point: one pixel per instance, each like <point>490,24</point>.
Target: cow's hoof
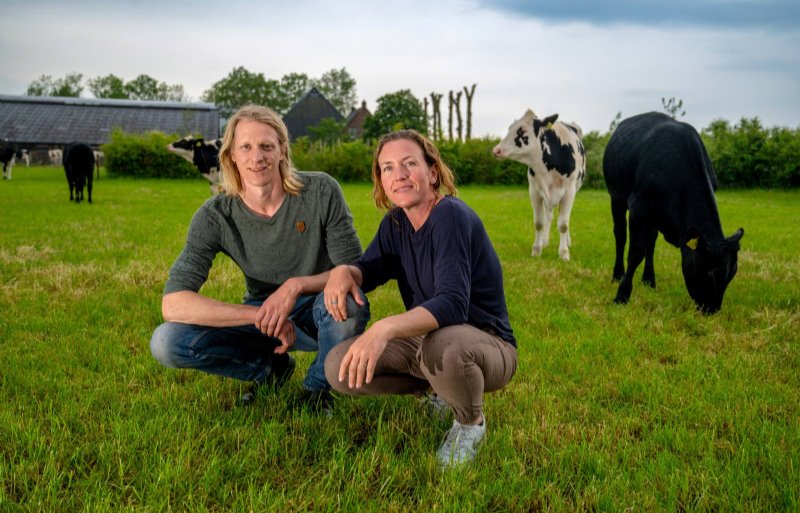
<point>536,252</point>
<point>564,256</point>
<point>620,300</point>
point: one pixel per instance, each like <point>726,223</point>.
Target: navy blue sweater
<point>449,267</point>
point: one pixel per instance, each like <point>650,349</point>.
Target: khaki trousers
<point>458,362</point>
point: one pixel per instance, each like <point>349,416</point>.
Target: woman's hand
<point>358,365</point>
<point>340,284</point>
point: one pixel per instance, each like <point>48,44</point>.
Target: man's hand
<point>358,365</point>
<point>274,312</point>
<point>287,337</point>
<point>340,285</point>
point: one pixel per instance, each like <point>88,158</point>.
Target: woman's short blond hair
<point>432,158</point>
<point>231,180</point>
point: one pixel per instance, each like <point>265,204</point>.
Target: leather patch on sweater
<point>301,226</point>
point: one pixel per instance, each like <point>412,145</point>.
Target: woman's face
<point>256,152</point>
<point>406,178</point>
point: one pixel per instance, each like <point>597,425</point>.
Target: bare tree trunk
<point>425,106</point>
<point>436,100</point>
<point>450,116</point>
<point>458,116</point>
<point>469,93</point>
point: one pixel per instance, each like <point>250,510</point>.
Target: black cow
<point>78,162</point>
<point>658,169</point>
<point>7,155</point>
<point>203,154</point>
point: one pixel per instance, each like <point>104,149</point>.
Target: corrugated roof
<point>30,120</point>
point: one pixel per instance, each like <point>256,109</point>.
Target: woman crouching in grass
<point>455,337</point>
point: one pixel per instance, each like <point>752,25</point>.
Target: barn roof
<point>308,111</point>
<point>30,120</point>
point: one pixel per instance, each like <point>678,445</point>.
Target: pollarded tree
<point>394,112</point>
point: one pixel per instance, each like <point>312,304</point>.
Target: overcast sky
<point>583,59</point>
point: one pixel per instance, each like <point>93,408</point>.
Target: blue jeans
<point>243,352</point>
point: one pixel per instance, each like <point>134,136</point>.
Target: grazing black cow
<point>204,155</point>
<point>7,155</point>
<point>658,169</point>
<point>79,167</point>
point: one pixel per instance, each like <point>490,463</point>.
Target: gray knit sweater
<point>309,234</point>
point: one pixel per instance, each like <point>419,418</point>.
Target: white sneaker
<point>461,444</point>
<point>436,406</point>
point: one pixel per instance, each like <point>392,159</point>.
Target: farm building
<point>354,125</point>
<point>309,110</point>
<point>38,123</point>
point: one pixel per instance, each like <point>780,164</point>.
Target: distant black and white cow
<point>556,162</point>
<point>204,155</point>
<point>79,167</point>
<point>24,156</point>
<point>7,156</point>
<point>657,169</point>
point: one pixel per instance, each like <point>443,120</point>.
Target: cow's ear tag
<point>692,243</point>
<point>198,144</point>
<point>549,126</point>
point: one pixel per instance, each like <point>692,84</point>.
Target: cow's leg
<point>564,211</point>
<point>619,210</point>
<point>649,272</point>
<point>636,250</point>
<point>540,223</point>
<point>89,187</point>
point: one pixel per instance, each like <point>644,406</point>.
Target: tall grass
<point>646,407</point>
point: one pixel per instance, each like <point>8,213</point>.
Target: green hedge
<point>743,155</point>
<point>145,156</point>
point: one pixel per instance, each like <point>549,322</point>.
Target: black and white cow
<point>7,156</point>
<point>8,153</point>
<point>204,155</point>
<point>556,162</point>
<point>79,167</point>
<point>24,156</point>
<point>658,170</point>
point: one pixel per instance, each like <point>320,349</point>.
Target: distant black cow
<point>203,154</point>
<point>658,169</point>
<point>7,155</point>
<point>79,167</point>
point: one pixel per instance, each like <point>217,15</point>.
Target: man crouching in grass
<point>286,230</point>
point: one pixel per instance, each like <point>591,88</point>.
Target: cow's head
<point>523,140</point>
<point>709,268</point>
<point>185,147</point>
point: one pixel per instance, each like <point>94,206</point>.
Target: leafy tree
<point>339,88</point>
<point>109,86</point>
<point>241,87</point>
<point>615,122</point>
<point>394,112</point>
<point>293,87</point>
<point>69,86</point>
<point>328,131</point>
<point>672,107</point>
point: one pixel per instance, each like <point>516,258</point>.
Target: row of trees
<point>143,87</point>
<point>238,88</point>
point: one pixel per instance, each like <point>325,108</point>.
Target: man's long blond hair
<point>231,180</point>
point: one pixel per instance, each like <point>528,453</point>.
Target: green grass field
<point>646,407</point>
